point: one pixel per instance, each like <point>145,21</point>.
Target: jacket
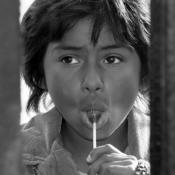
<point>44,153</point>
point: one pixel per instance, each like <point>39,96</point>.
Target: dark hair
<point>49,20</point>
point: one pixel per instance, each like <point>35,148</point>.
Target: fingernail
<point>89,158</point>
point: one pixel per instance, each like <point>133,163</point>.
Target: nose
<point>92,81</point>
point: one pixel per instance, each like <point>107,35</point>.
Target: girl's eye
<point>112,60</point>
<point>69,60</point>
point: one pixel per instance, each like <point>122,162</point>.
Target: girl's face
<point>80,75</point>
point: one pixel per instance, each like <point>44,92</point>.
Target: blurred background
<point>24,5</point>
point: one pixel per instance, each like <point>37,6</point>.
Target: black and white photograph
<point>87,87</point>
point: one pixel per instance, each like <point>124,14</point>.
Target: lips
<point>94,111</point>
<point>96,103</point>
<point>94,116</point>
<point>101,119</point>
<point>101,107</point>
<point>98,106</point>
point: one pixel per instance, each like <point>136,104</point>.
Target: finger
<point>116,169</point>
<point>105,149</point>
<point>94,167</point>
<point>126,162</point>
<point>112,159</point>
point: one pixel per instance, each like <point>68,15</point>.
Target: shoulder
<point>40,132</point>
<point>42,148</point>
<point>32,137</point>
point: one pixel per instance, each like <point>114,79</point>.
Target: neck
<point>72,141</point>
<point>80,147</point>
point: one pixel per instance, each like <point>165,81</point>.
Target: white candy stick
<point>94,132</point>
<point>94,135</point>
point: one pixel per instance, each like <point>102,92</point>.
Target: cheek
<point>125,90</point>
<point>128,92</point>
<point>63,91</point>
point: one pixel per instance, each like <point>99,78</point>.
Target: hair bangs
<point>121,22</point>
<point>120,16</point>
<point>64,17</point>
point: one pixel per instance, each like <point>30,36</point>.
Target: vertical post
<point>9,88</point>
<point>162,72</point>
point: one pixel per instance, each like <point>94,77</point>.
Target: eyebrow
<point>116,46</point>
<point>108,47</point>
<point>67,47</point>
<point>78,48</point>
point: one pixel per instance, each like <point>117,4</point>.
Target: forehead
<point>80,35</point>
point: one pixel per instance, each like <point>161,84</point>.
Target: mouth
<point>94,115</point>
<point>100,118</point>
<point>99,109</point>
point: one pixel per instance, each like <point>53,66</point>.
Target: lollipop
<point>93,120</point>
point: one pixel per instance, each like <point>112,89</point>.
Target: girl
<point>90,56</point>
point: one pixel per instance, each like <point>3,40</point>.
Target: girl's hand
<point>108,160</point>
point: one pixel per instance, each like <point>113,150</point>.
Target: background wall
<point>9,88</point>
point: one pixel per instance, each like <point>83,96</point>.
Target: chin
<point>103,137</point>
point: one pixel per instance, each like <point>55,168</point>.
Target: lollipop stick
<point>94,131</point>
<point>94,135</point>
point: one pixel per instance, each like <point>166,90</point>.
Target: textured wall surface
<point>162,67</point>
<point>9,88</point>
